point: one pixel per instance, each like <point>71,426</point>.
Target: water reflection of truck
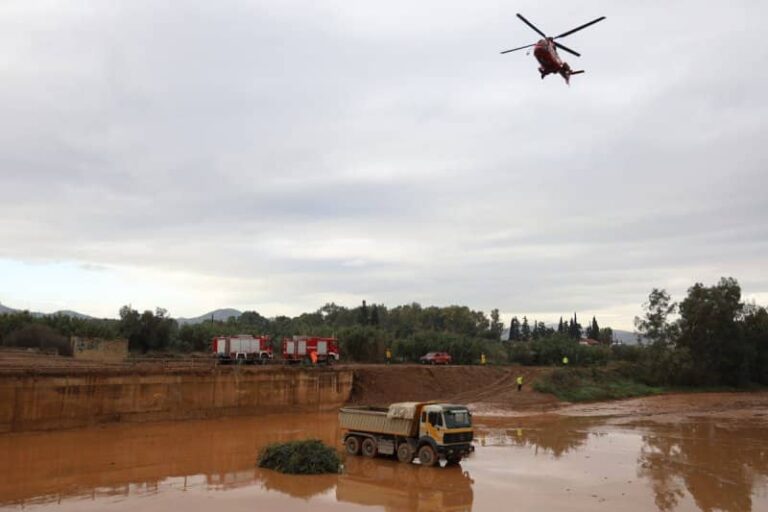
<point>396,487</point>
<point>430,431</point>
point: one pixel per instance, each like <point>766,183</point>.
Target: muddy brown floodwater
<point>586,461</point>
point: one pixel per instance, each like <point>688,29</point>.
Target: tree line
<point>711,337</point>
<point>523,331</point>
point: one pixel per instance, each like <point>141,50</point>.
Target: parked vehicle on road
<point>429,431</point>
<point>300,349</point>
<point>242,348</point>
<point>436,358</point>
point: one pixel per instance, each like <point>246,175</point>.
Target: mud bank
<point>40,392</point>
<point>45,402</point>
<point>483,388</point>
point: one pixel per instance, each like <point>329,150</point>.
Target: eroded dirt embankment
<point>64,399</point>
<point>48,392</point>
<point>483,388</point>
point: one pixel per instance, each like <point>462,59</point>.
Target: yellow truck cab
<point>431,431</point>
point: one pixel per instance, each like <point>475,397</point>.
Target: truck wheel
<point>369,447</point>
<point>453,460</point>
<point>404,453</point>
<point>427,456</point>
<point>353,445</point>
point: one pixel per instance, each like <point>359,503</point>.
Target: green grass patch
<point>716,389</point>
<point>591,384</point>
<point>309,457</point>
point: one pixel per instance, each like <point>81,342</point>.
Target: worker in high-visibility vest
<point>482,359</point>
<point>519,382</point>
<point>565,360</point>
<point>389,356</point>
<point>313,357</point>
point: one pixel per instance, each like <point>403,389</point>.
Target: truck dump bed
<point>398,419</point>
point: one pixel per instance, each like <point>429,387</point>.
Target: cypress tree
<point>514,329</point>
<point>525,330</point>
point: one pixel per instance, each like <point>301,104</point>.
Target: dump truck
<point>427,430</point>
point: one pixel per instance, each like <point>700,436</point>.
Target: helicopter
<point>545,51</point>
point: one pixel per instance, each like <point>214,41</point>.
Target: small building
<point>99,349</point>
<point>589,342</point>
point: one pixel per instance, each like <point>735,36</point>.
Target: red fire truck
<point>300,348</point>
<point>242,348</point>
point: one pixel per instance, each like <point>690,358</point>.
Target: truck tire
<point>405,453</point>
<point>453,460</point>
<point>353,445</point>
<point>369,447</point>
<point>427,456</point>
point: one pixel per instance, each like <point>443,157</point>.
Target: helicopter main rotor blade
<point>565,48</point>
<point>542,34</point>
<point>521,48</point>
<point>601,18</point>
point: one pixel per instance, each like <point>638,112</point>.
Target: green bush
<point>551,350</point>
<point>309,457</point>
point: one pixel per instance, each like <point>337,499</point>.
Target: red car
<point>435,358</point>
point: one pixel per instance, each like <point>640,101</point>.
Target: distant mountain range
<point>219,315</point>
<point>63,312</point>
<point>625,337</point>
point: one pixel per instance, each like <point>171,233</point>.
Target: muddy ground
<point>676,452</point>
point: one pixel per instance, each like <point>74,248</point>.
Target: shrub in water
<point>310,457</point>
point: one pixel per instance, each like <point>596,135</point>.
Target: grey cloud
<point>140,134</point>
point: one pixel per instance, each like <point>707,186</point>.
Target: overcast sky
<point>278,155</point>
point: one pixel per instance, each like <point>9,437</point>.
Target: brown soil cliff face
<point>44,402</point>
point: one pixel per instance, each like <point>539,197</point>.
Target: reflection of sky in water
<point>525,463</point>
